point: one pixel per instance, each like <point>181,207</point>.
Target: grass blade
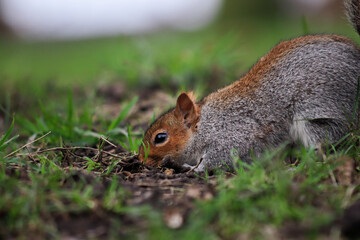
<point>131,143</point>
<point>123,113</point>
<point>8,141</point>
<point>5,137</point>
<point>70,114</point>
<point>304,25</point>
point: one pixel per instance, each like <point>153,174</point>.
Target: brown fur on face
<point>179,124</point>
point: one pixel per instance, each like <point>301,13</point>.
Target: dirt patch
<point>173,195</point>
<point>158,187</point>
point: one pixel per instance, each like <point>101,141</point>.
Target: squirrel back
<point>303,90</point>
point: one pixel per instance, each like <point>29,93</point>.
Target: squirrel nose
<point>148,161</point>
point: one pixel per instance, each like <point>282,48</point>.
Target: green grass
<point>203,60</point>
<point>51,87</point>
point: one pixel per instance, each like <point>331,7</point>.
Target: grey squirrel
<point>303,90</point>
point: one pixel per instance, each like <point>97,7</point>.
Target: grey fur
<point>308,96</point>
<point>352,12</point>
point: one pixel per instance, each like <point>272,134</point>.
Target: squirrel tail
<point>353,13</point>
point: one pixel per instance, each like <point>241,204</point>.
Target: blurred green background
<point>202,60</point>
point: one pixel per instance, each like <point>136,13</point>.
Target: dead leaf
<point>169,171</point>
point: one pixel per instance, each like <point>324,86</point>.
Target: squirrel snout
<point>148,161</point>
<point>166,162</point>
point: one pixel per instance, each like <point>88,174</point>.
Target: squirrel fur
<point>303,90</point>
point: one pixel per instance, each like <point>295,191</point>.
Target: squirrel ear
<point>186,109</point>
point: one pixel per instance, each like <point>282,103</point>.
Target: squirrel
<point>304,90</point>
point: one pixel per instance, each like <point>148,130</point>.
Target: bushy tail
<point>353,13</point>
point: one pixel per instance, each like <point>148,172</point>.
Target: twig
<point>98,154</point>
<point>195,166</point>
<point>349,192</point>
<point>325,159</point>
<point>166,187</point>
<point>12,153</point>
<point>76,148</point>
<point>107,141</point>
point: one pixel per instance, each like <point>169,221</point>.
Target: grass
<point>52,87</point>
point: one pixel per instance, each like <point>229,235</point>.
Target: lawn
<point>72,115</point>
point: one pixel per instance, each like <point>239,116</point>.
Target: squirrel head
<point>168,136</point>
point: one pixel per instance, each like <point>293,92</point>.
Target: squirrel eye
<point>160,138</point>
